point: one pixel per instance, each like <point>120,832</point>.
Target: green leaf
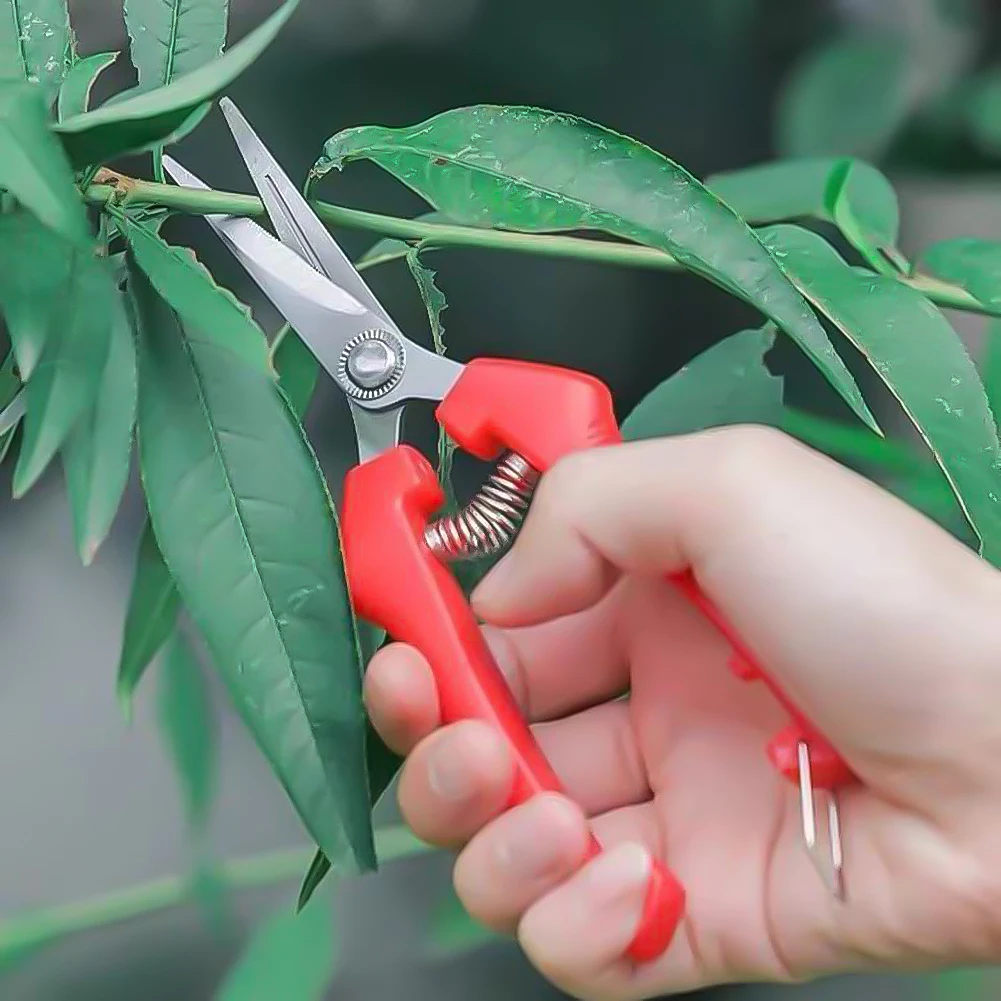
<point>848,98</point>
<point>184,713</point>
<point>526,169</point>
<point>74,94</point>
<point>971,263</point>
<point>392,843</point>
<point>10,386</point>
<point>727,384</point>
<point>454,932</point>
<point>390,249</point>
<point>990,368</point>
<point>97,453</point>
<point>170,38</point>
<point>837,198</point>
<point>33,168</point>
<point>432,297</point>
<point>151,617</point>
<point>297,368</point>
<point>315,875</point>
<point>790,190</point>
<point>913,349</point>
<point>435,304</point>
<point>192,293</point>
<point>36,43</point>
<point>244,521</point>
<point>857,445</point>
<point>291,956</point>
<point>35,265</point>
<point>141,120</point>
<point>63,386</point>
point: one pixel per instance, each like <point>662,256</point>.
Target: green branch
<point>432,234</point>
<point>38,928</point>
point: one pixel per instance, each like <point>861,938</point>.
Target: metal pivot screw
<point>371,364</point>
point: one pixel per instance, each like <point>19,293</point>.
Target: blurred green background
<point>90,805</point>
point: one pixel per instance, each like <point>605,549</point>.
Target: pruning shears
<point>521,415</point>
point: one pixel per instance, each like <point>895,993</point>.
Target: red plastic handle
<point>542,413</point>
<point>827,768</point>
<point>397,583</point>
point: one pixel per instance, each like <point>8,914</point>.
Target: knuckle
<point>746,452</point>
<point>566,478</point>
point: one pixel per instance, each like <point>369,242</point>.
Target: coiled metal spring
<point>490,520</point>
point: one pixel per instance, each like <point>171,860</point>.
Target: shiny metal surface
<point>295,222</point>
<point>322,312</point>
<point>831,869</point>
<point>371,365</point>
<point>489,522</point>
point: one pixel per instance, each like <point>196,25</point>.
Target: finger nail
<point>615,884</point>
<point>542,840</point>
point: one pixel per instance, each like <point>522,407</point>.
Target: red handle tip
<point>662,911</point>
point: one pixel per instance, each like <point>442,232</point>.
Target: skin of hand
<point>881,627</point>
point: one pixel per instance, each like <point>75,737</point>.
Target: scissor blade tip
<point>233,114</point>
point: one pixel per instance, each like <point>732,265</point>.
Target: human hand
<point>878,625</point>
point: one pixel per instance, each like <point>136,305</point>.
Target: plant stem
<point>432,234</point>
<point>29,931</point>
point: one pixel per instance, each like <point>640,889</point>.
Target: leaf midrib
<point>454,161</point>
<point>235,503</point>
<point>15,7</point>
<point>830,309</point>
<point>605,213</point>
<point>175,18</point>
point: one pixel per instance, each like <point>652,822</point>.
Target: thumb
<point>823,573</point>
<point>633,508</point>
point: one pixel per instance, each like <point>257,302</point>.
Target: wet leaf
<point>923,362</point>
<point>33,168</point>
<point>971,263</point>
<point>36,43</point>
<point>98,451</point>
<point>170,38</point>
<point>151,617</point>
<point>74,94</point>
<point>290,956</point>
<point>189,288</point>
<point>790,190</point>
<point>848,98</point>
<point>245,523</point>
<point>526,169</point>
<point>727,384</point>
<point>140,120</point>
<point>184,714</point>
